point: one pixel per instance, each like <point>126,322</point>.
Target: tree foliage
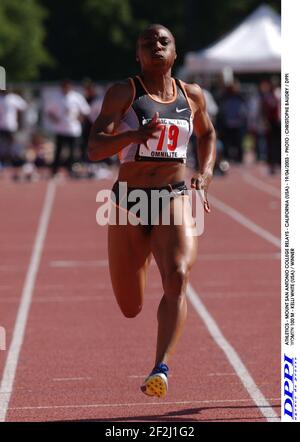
<point>89,38</point>
<point>97,38</point>
<point>21,39</point>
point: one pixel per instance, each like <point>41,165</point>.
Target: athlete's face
<point>156,49</point>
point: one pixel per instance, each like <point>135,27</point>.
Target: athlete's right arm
<point>104,141</point>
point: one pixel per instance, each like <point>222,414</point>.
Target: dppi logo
<point>289,387</point>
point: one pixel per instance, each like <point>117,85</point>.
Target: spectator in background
<point>66,111</point>
<point>212,110</point>
<point>270,98</point>
<point>211,106</point>
<point>257,124</point>
<point>39,156</point>
<point>33,118</point>
<point>95,102</point>
<point>232,119</point>
<point>12,106</point>
<point>221,166</point>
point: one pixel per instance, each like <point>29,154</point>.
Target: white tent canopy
<point>254,46</point>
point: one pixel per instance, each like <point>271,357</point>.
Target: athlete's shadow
<point>174,416</point>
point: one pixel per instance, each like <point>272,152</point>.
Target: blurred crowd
<point>47,133</point>
<point>247,123</point>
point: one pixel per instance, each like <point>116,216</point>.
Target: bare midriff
<point>151,174</point>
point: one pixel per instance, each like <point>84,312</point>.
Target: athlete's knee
<point>175,280</point>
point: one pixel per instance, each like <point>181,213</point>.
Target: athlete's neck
<point>160,85</point>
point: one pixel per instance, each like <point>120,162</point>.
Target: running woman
<point>148,120</point>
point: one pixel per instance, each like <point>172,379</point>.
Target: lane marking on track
<point>261,185</point>
<point>203,256</point>
<point>221,374</point>
<point>241,294</point>
<point>232,356</point>
<point>100,263</point>
<point>137,376</point>
<point>71,379</point>
<point>79,287</point>
<point>26,296</point>
<point>228,283</point>
<point>12,268</point>
<point>138,404</point>
<point>71,298</point>
<point>237,256</point>
<point>245,221</point>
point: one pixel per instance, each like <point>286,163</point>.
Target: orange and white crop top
<point>175,116</point>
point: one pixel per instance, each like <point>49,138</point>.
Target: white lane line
<point>228,282</point>
<point>244,221</point>
<point>70,298</point>
<point>232,356</point>
<point>12,268</point>
<point>61,299</point>
<point>66,263</point>
<point>137,376</point>
<point>237,256</point>
<point>71,379</point>
<point>261,185</point>
<point>27,292</point>
<point>231,294</point>
<point>221,374</point>
<point>206,257</point>
<point>143,376</point>
<point>64,288</point>
<point>138,404</point>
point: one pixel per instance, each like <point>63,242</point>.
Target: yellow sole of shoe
<point>155,386</point>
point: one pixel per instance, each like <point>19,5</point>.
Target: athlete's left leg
<point>175,251</point>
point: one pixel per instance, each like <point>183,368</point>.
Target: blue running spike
<point>156,384</point>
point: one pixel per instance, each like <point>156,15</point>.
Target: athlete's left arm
<point>206,141</point>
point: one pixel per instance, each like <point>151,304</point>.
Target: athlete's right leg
<point>129,257</point>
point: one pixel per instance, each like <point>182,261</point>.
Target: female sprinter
<point>148,120</point>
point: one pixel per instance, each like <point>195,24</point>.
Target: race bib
<point>172,140</point>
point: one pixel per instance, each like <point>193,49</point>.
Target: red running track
<point>80,360</point>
